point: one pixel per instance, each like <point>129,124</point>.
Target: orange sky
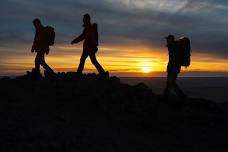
<point>119,60</point>
<point>131,34</point>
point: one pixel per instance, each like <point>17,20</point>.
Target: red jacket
<point>90,37</point>
<point>40,44</point>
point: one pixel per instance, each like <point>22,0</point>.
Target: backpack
<point>95,32</point>
<point>185,48</point>
<point>50,35</point>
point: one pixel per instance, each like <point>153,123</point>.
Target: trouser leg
<point>41,61</point>
<point>44,64</point>
<point>168,85</point>
<point>96,63</point>
<point>46,67</point>
<point>82,63</point>
<point>178,91</point>
<point>37,61</point>
<point>176,88</point>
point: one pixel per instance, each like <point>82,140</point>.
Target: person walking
<point>90,46</point>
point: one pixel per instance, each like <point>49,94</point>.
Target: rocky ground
<point>70,114</point>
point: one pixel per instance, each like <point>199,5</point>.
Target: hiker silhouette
<point>173,67</point>
<point>90,46</point>
<point>40,46</point>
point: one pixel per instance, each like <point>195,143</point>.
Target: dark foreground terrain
<point>87,114</point>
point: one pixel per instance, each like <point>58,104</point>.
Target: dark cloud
<point>121,22</point>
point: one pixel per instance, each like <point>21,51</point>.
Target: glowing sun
<point>146,67</point>
<point>146,70</point>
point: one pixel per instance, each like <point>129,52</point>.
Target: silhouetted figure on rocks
<point>90,46</point>
<point>41,46</point>
<point>174,67</point>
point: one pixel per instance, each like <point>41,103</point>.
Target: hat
<point>36,20</point>
<point>170,37</point>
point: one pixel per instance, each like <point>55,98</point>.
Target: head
<point>86,19</point>
<point>170,39</point>
<point>36,23</point>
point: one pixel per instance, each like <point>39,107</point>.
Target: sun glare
<point>146,70</point>
<point>146,67</point>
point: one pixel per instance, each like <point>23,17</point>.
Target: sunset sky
<point>131,34</point>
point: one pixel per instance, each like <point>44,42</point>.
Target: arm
<point>79,38</point>
<point>35,41</point>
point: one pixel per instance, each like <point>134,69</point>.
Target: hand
<point>72,42</point>
<point>32,50</point>
<point>47,51</point>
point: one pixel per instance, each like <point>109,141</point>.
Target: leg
<point>82,62</point>
<point>44,64</point>
<point>37,61</point>
<point>177,89</point>
<point>96,64</point>
<point>169,85</point>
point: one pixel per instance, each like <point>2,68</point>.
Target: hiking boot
<point>35,74</point>
<point>104,75</point>
<point>50,74</point>
<point>78,74</point>
<point>183,96</point>
<point>163,97</point>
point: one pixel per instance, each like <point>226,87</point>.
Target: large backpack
<point>185,48</point>
<point>95,32</point>
<point>50,35</point>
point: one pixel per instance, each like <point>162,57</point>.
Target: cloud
<point>121,21</point>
